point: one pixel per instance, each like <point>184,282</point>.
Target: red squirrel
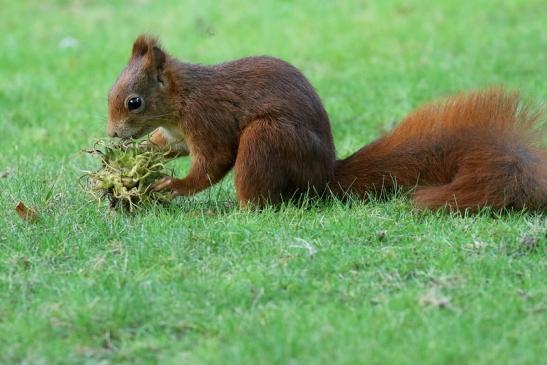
<point>261,116</point>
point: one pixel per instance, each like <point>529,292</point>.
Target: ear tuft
<point>143,45</point>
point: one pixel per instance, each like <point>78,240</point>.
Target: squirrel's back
<point>262,86</point>
<point>239,92</point>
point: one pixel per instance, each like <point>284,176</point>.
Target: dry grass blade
<point>26,213</point>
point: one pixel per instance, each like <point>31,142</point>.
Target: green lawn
<point>206,282</point>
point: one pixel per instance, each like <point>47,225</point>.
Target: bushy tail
<point>480,149</point>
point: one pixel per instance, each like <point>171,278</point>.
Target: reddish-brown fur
<point>261,116</point>
<point>467,152</point>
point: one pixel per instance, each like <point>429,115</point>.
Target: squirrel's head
<point>139,99</point>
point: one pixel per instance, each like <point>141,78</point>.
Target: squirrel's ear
<point>154,57</point>
<point>141,46</point>
<point>147,46</point>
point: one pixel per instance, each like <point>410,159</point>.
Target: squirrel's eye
<point>134,103</point>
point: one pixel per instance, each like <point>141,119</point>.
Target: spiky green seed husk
<point>127,173</point>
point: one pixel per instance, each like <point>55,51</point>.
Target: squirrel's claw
<point>171,184</point>
<point>165,183</point>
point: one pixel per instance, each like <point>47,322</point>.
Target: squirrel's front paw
<point>170,184</point>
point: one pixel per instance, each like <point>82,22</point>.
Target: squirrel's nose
<point>111,132</point>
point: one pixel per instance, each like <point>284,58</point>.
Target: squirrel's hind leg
<point>279,161</point>
<point>260,172</point>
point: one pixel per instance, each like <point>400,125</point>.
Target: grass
<point>206,282</point>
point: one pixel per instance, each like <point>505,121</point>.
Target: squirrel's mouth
<point>140,132</point>
<point>134,135</point>
<point>134,132</point>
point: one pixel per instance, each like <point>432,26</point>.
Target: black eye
<point>134,103</point>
